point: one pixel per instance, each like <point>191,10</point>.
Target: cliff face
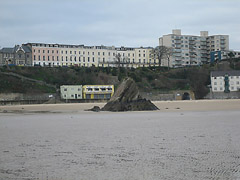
<point>127,98</point>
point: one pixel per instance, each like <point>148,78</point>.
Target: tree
<point>121,60</point>
<point>168,53</point>
<point>161,52</point>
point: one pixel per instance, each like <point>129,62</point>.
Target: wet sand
<point>189,140</point>
<point>166,106</point>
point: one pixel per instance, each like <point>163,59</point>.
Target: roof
<point>25,48</point>
<point>7,50</point>
<point>223,73</point>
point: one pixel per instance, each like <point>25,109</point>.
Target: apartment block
<point>188,50</point>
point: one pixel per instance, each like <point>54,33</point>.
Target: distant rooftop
<point>223,73</point>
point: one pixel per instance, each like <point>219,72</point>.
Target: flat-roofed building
<point>188,50</point>
<point>98,91</point>
<point>71,91</point>
<point>225,81</point>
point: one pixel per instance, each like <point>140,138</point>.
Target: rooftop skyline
<point>130,23</point>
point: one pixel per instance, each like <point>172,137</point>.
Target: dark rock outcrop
<point>95,109</point>
<point>127,98</point>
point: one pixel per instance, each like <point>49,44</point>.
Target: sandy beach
<point>166,106</point>
<point>183,140</point>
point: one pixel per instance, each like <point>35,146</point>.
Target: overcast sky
<point>130,23</point>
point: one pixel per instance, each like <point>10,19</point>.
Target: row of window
<point>72,89</point>
<point>232,83</point>
<point>221,88</point>
<point>93,53</point>
<point>86,59</point>
<point>231,77</point>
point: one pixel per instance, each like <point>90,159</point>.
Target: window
<point>53,58</point>
<point>48,58</point>
<point>75,58</point>
<point>92,53</point>
<point>65,89</point>
<point>70,52</point>
<point>103,53</point>
<point>88,59</point>
<point>79,59</point>
<point>79,52</point>
<point>215,88</point>
<point>52,51</point>
<point>48,51</point>
<point>39,58</point>
<point>83,59</point>
<point>57,58</point>
<point>93,59</point>
<point>70,58</point>
<point>99,53</point>
<point>215,83</point>
<point>34,57</point>
<point>43,51</point>
<point>62,58</point>
<point>66,58</point>
<point>38,51</point>
<point>66,52</point>
<point>75,52</point>
<point>44,58</point>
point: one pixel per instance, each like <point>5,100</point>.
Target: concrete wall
<point>222,95</point>
<point>168,96</point>
<point>19,98</point>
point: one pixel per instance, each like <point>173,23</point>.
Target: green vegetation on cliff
<point>152,79</point>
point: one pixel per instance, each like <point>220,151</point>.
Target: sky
<point>130,23</point>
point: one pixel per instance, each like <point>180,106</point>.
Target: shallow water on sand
<point>120,146</point>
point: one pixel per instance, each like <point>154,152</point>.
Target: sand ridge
<point>166,106</point>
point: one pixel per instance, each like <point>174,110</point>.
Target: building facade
<point>225,81</point>
<point>98,91</point>
<point>71,92</point>
<point>18,55</point>
<point>190,50</point>
<point>223,54</point>
<point>87,56</point>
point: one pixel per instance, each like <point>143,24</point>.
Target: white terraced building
<point>87,56</point>
<point>220,78</point>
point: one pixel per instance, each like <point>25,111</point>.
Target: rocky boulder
<point>127,98</point>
